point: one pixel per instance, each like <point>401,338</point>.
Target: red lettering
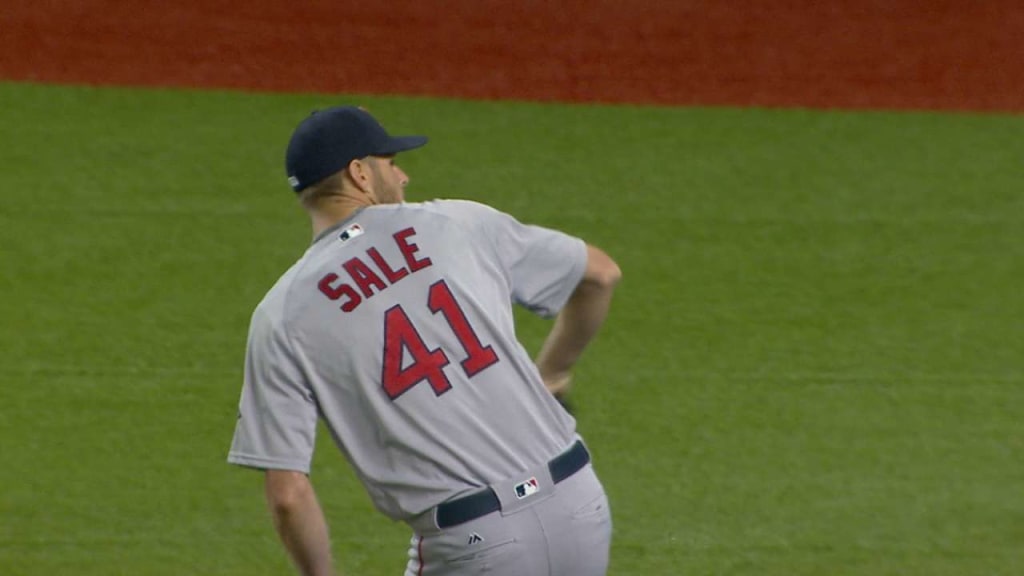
<point>392,275</point>
<point>407,359</point>
<point>365,278</point>
<point>409,250</point>
<point>478,356</point>
<point>353,299</point>
<point>335,292</point>
<point>396,375</point>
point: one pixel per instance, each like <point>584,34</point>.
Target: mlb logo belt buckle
<point>528,488</point>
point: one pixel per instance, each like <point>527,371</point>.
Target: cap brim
<point>402,143</point>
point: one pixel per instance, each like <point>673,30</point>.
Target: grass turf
<point>813,365</point>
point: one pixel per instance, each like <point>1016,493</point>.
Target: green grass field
<point>814,365</point>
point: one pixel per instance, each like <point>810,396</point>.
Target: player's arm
<point>579,321</point>
<point>299,521</point>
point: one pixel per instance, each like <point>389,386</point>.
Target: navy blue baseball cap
<point>327,140</point>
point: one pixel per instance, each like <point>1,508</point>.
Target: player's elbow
<point>610,275</point>
<point>601,271</point>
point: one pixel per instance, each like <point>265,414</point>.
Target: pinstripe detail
<point>419,554</point>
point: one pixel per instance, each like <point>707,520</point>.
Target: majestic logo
<point>474,538</point>
<point>350,232</point>
<point>527,488</point>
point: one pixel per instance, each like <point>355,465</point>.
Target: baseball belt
<point>481,503</point>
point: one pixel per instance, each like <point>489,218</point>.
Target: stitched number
<point>400,336</point>
<point>478,356</point>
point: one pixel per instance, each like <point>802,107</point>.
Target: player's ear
<point>359,172</point>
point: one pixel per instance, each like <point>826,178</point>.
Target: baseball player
<point>396,328</point>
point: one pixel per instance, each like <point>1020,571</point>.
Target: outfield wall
<point>942,54</point>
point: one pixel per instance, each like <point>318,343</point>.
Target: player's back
<point>400,323</point>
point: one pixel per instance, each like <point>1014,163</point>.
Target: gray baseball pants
<point>559,529</point>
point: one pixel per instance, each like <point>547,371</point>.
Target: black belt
<point>486,501</point>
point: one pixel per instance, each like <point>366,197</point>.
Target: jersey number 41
<point>400,336</point>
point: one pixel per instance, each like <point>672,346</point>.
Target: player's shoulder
<point>270,313</point>
<point>453,208</point>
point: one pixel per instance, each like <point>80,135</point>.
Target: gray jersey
<point>396,328</point>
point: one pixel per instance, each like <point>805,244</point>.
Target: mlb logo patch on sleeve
<point>527,488</point>
<point>350,232</point>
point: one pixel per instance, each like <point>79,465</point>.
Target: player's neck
<point>334,210</point>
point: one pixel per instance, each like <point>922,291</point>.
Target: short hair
<point>333,185</point>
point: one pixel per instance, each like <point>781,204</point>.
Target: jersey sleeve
<point>277,414</point>
<point>543,266</point>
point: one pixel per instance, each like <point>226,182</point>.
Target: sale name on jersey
<point>370,274</point>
